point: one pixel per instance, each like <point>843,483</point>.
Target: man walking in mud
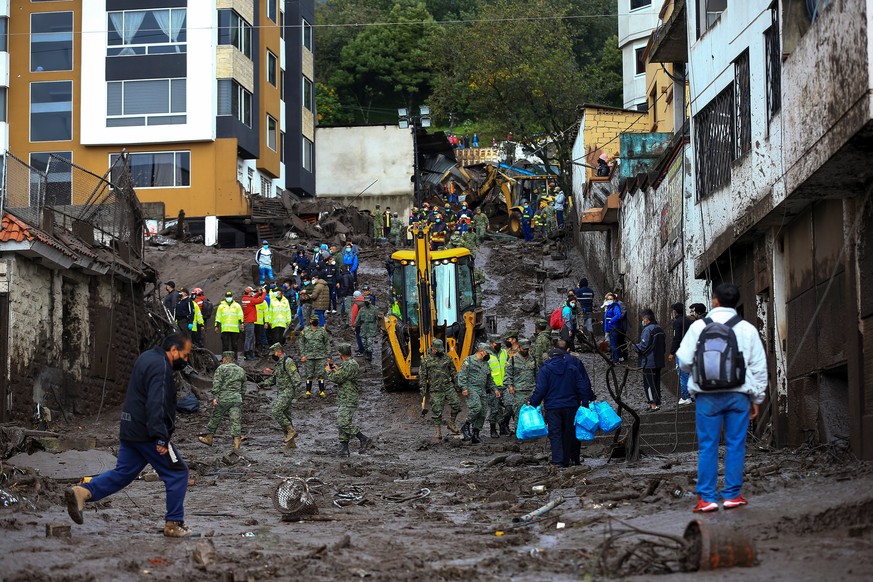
<point>366,327</point>
<point>286,379</point>
<point>314,348</point>
<point>345,377</point>
<point>476,380</point>
<point>228,385</point>
<point>439,380</point>
<point>521,375</point>
<point>148,420</point>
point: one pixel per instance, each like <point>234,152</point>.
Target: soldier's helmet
<point>438,346</point>
<point>345,349</point>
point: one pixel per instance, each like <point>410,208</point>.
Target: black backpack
<point>718,361</point>
<point>207,309</point>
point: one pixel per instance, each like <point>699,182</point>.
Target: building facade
<point>211,101</point>
<point>636,20</point>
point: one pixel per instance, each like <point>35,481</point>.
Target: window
<point>282,84</point>
<point>743,102</point>
<point>640,67</point>
<point>3,104</point>
<point>307,35</point>
<point>51,111</point>
<point>147,32</point>
<point>156,169</point>
<point>233,99</point>
<point>4,33</point>
<point>308,154</point>
<point>653,102</point>
<point>58,177</point>
<point>51,41</point>
<point>307,94</point>
<point>235,31</point>
<point>773,59</point>
<point>271,10</point>
<point>272,128</point>
<point>708,13</point>
<point>282,146</point>
<point>147,102</point>
<point>266,187</point>
<point>282,25</point>
<point>272,64</point>
<point>634,4</point>
<point>715,143</point>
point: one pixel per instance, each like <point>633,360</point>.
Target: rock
<point>515,460</point>
<point>58,530</point>
<point>204,552</point>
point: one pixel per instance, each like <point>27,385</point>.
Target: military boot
<point>176,529</point>
<point>365,442</point>
<point>494,434</point>
<point>453,428</point>
<point>236,442</point>
<point>475,437</point>
<point>344,449</point>
<point>308,388</point>
<point>290,434</point>
<point>321,388</point>
<point>438,434</point>
<point>465,431</point>
<point>504,428</point>
<point>206,439</point>
<point>75,498</point>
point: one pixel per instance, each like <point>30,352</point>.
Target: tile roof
<point>16,230</point>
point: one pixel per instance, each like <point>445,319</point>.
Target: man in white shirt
<point>731,408</point>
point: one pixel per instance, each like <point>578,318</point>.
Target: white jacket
<point>749,343</point>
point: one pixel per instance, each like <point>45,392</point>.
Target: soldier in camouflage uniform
<point>365,324</point>
<point>476,381</point>
<point>286,379</point>
<point>228,385</point>
<point>478,280</point>
<point>314,346</point>
<point>480,225</point>
<point>542,342</point>
<point>438,378</point>
<point>521,375</point>
<point>396,229</point>
<point>345,377</point>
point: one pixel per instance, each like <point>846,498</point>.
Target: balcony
<point>669,42</point>
<point>601,218</point>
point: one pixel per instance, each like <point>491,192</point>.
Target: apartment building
<point>210,101</point>
<point>636,20</point>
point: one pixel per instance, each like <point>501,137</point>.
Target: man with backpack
<point>728,366</point>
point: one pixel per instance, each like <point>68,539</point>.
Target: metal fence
<point>773,49</point>
<point>714,142</point>
<point>743,102</point>
<point>79,201</point>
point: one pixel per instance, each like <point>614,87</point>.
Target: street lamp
<point>407,121</point>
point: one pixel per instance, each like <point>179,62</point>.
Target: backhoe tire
<point>514,228</point>
<point>392,380</point>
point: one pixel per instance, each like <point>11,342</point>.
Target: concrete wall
<point>70,333</point>
<point>348,159</point>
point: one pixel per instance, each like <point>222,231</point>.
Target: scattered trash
<point>7,498</point>
<point>468,465</point>
<point>293,496</point>
<point>560,525</point>
<point>536,552</point>
<point>58,530</point>
<point>422,493</point>
<point>249,534</point>
<point>540,511</point>
<point>710,547</point>
<point>204,552</point>
<point>538,489</point>
<point>498,533</point>
<point>351,495</point>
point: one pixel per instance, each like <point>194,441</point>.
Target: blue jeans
<point>683,382</point>
<point>320,314</point>
<point>249,345</point>
<point>714,410</point>
<point>615,345</point>
<point>333,304</point>
<point>560,215</point>
<point>359,340</point>
<point>132,459</point>
<point>265,273</point>
<point>562,436</point>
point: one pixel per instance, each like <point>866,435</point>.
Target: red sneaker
<point>705,506</point>
<point>736,502</point>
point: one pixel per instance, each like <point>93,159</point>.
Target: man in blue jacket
<point>147,423</point>
<point>562,385</point>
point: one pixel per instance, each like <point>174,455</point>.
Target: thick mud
<point>426,511</point>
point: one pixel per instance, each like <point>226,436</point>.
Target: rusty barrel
<point>714,547</point>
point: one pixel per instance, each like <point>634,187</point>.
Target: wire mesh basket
<point>293,496</point>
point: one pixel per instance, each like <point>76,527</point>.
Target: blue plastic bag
<point>609,420</point>
<point>583,434</point>
<point>530,423</point>
<point>587,418</point>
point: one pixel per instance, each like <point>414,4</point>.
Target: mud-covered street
<point>413,510</point>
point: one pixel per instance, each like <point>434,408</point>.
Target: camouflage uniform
<point>315,345</point>
<point>541,346</point>
<point>345,377</point>
<point>287,380</point>
<point>228,385</point>
<point>480,225</point>
<point>437,377</point>
<point>478,280</point>
<point>521,375</point>
<point>468,241</point>
<point>366,321</point>
<point>475,376</point>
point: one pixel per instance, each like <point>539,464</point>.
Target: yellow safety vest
<point>229,316</point>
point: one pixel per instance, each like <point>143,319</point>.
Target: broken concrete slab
<point>67,465</point>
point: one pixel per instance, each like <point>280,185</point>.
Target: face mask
<point>278,295</point>
<point>643,322</point>
<point>486,357</point>
<point>229,299</point>
<point>266,246</point>
<point>180,364</point>
<point>508,343</point>
<point>275,358</point>
<point>609,301</point>
<point>573,304</point>
<point>524,352</point>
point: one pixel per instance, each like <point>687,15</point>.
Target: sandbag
<point>609,420</point>
<point>530,424</point>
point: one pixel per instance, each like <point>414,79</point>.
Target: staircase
<point>662,432</point>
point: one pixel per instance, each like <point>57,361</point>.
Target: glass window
<point>282,25</point>
<point>282,146</point>
<point>146,102</point>
<point>272,64</point>
<point>51,111</point>
<point>308,154</point>
<point>307,35</point>
<point>411,296</point>
<point>234,100</point>
<point>51,41</point>
<point>156,169</point>
<point>4,33</point>
<point>445,297</point>
<point>235,31</point>
<point>3,104</point>
<point>58,177</point>
<point>640,61</point>
<point>634,4</point>
<point>271,10</point>
<point>465,284</point>
<point>272,129</point>
<point>147,32</point>
<point>282,84</point>
<point>307,94</point>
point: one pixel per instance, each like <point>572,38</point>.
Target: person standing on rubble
<point>521,376</point>
<point>330,274</point>
<point>228,386</point>
<point>185,313</point>
<point>480,225</point>
<point>249,302</point>
<point>651,351</point>
<point>320,298</point>
<point>366,327</point>
<point>438,379</point>
<point>229,322</point>
<point>286,379</point>
<point>346,289</point>
<point>542,342</point>
<point>148,420</point>
<point>314,348</point>
<point>527,216</point>
<point>264,258</point>
<point>350,261</point>
<point>476,380</point>
<point>560,203</point>
<point>345,377</point>
<point>499,403</point>
<point>278,317</point>
<point>172,297</point>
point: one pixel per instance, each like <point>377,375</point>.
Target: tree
<point>603,80</point>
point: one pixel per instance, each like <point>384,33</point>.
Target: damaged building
<point>72,278</point>
<point>766,183</point>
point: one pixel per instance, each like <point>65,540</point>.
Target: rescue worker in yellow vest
<point>278,317</point>
<point>197,328</point>
<point>498,413</point>
<point>387,219</point>
<point>260,331</point>
<point>229,322</point>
